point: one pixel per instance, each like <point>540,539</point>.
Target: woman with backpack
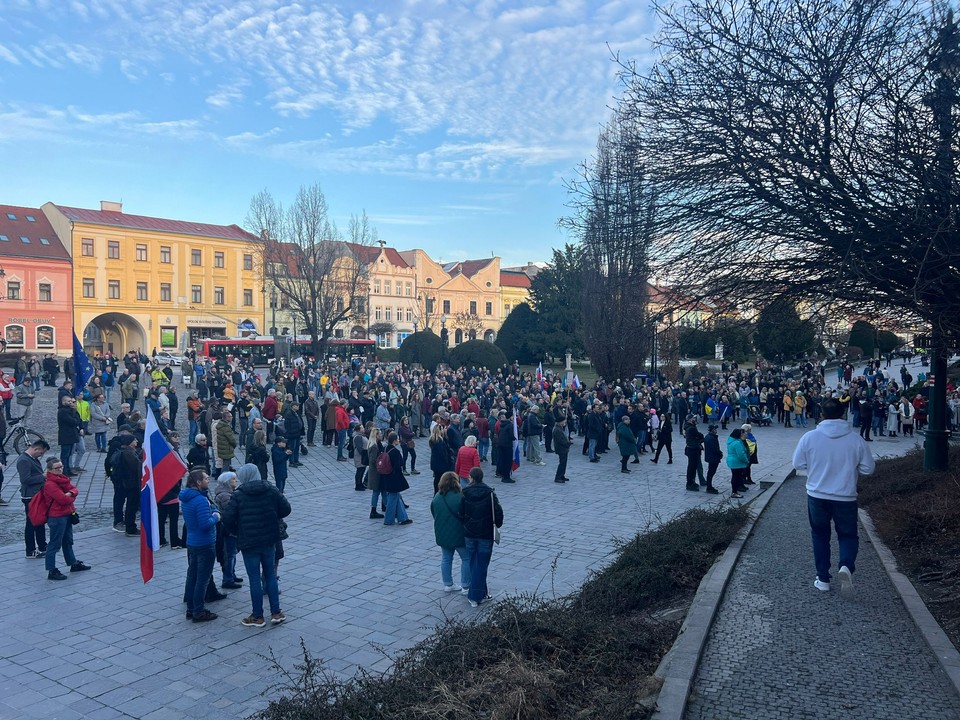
<point>392,481</point>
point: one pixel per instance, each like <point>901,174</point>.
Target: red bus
<point>260,351</point>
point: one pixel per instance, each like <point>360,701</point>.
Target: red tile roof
<point>34,231</point>
<point>369,253</point>
<point>467,267</point>
<point>514,279</point>
<point>111,218</point>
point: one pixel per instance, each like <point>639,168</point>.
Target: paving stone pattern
<point>779,648</point>
<point>104,645</point>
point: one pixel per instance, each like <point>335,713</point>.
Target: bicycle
<point>21,436</point>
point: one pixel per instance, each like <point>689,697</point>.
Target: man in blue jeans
<point>833,457</point>
<point>253,516</point>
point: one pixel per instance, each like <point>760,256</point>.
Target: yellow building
<point>392,289</point>
<point>142,283</point>
<point>514,289</point>
<point>463,296</point>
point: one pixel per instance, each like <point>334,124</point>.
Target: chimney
<point>110,206</point>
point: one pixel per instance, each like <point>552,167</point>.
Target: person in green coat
<point>627,442</point>
<point>448,530</point>
<point>738,460</point>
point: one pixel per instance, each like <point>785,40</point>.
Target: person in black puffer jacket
<point>253,516</point>
<point>479,511</point>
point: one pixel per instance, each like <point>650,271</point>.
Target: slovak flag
<point>576,382</point>
<point>516,442</point>
<point>540,376</point>
<point>162,469</point>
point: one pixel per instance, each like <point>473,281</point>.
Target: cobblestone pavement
<point>104,645</point>
<point>779,648</point>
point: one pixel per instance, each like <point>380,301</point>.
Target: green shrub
<point>477,353</point>
<point>423,347</point>
<point>388,354</point>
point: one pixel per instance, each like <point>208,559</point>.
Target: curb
<point>679,665</point>
<point>936,639</point>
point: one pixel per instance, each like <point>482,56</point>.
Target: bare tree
<point>303,255</point>
<point>614,211</point>
<point>469,323</point>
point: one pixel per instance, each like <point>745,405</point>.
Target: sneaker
<point>37,555</point>
<point>693,488</point>
<point>474,603</point>
<point>465,591</point>
<point>55,574</point>
<point>846,582</point>
<point>189,615</point>
<point>204,616</point>
<point>414,472</point>
<point>277,618</point>
<point>508,480</point>
<point>119,527</point>
<point>713,491</point>
<point>163,543</point>
<point>736,495</point>
<point>79,567</point>
<point>451,588</point>
<point>231,585</point>
<point>216,597</point>
<point>408,521</point>
<point>253,621</point>
<point>135,533</point>
<point>821,585</point>
<point>3,502</point>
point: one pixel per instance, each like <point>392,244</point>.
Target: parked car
<point>166,358</point>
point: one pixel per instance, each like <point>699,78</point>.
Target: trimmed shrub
<point>422,347</point>
<point>477,353</point>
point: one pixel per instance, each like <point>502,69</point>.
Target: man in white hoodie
<point>833,458</point>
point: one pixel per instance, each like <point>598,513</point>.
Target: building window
<point>86,247</point>
<point>361,306</point>
<point>376,313</point>
<point>165,294</point>
<point>376,287</point>
<point>284,301</point>
<point>168,336</point>
<point>45,337</point>
<point>385,341</point>
<point>340,304</point>
<point>113,249</point>
<point>446,307</point>
<point>399,289</point>
<point>399,314</point>
<point>401,337</point>
<point>248,297</point>
<point>113,289</point>
<point>386,287</point>
<point>409,289</point>
<point>338,333</point>
<point>13,334</point>
<point>218,260</point>
<point>248,262</point>
<point>141,253</point>
<point>506,308</point>
<point>409,315</point>
<point>458,337</point>
<point>489,308</point>
<point>13,290</point>
<point>88,288</point>
<point>165,254</point>
<point>196,294</point>
<point>46,294</point>
<point>388,314</point>
<point>142,293</point>
<point>196,257</point>
<point>218,296</point>
<point>429,304</point>
<point>473,307</point>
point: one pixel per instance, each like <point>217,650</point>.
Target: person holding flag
<point>82,367</point>
<point>162,469</point>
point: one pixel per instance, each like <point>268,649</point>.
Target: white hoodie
<point>833,457</point>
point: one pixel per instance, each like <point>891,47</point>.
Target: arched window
<point>46,337</point>
<point>473,334</point>
<point>489,336</point>
<point>458,337</point>
<point>13,334</point>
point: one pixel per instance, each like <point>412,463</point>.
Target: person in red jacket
<point>343,422</point>
<point>467,459</point>
<point>269,411</point>
<point>58,495</point>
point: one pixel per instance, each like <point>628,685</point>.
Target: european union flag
<point>82,367</point>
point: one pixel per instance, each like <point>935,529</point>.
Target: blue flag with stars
<point>82,367</point>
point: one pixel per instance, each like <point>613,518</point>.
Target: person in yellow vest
<point>800,408</point>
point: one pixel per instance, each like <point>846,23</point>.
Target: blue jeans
<point>61,536</point>
<point>66,452</point>
<point>844,516</point>
<point>592,448</point>
<point>483,447</point>
<point>395,510</point>
<point>193,432</point>
<point>376,496</point>
<point>200,562</point>
<point>229,567</point>
<point>480,552</point>
<point>294,445</point>
<point>341,442</point>
<point>446,566</point>
<point>101,438</point>
<point>262,559</point>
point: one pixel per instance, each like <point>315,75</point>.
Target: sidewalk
<point>780,648</point>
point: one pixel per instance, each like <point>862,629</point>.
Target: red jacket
<point>270,407</point>
<point>467,459</point>
<point>343,420</point>
<point>59,493</point>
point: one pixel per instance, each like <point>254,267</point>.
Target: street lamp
<point>443,331</point>
<point>273,312</point>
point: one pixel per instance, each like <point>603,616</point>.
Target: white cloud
<point>226,95</point>
<point>7,55</point>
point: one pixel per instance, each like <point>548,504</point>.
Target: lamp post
<point>273,313</point>
<point>443,332</point>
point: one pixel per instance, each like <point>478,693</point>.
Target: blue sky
<point>452,123</point>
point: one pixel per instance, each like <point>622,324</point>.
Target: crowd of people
<point>372,415</point>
